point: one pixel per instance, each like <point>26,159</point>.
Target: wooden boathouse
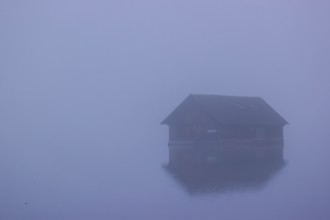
<point>216,128</point>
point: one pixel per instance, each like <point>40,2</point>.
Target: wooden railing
<point>228,142</point>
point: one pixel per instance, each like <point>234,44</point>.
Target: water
<point>83,173</point>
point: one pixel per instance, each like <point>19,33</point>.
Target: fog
<point>85,84</point>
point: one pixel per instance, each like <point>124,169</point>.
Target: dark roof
<point>234,109</point>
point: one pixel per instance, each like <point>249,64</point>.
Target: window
<point>211,131</point>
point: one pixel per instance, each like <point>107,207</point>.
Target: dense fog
<point>85,84</point>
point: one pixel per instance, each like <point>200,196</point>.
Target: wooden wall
<point>191,122</point>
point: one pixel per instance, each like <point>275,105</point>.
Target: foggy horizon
<point>85,84</point>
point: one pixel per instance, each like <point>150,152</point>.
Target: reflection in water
<point>225,178</point>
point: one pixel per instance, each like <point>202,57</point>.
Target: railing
<point>252,141</point>
<point>229,142</point>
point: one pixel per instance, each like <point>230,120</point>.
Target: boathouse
<point>215,128</point>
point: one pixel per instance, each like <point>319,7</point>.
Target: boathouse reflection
<point>225,177</point>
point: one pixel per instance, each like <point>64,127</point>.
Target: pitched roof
<point>235,109</point>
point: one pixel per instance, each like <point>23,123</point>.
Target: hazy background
<point>84,85</point>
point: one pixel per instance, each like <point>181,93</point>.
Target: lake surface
<point>83,173</point>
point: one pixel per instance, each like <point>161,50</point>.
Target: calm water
<point>74,172</point>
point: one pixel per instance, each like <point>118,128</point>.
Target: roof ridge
<point>229,96</point>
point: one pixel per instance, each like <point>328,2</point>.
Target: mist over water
<point>85,84</point>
